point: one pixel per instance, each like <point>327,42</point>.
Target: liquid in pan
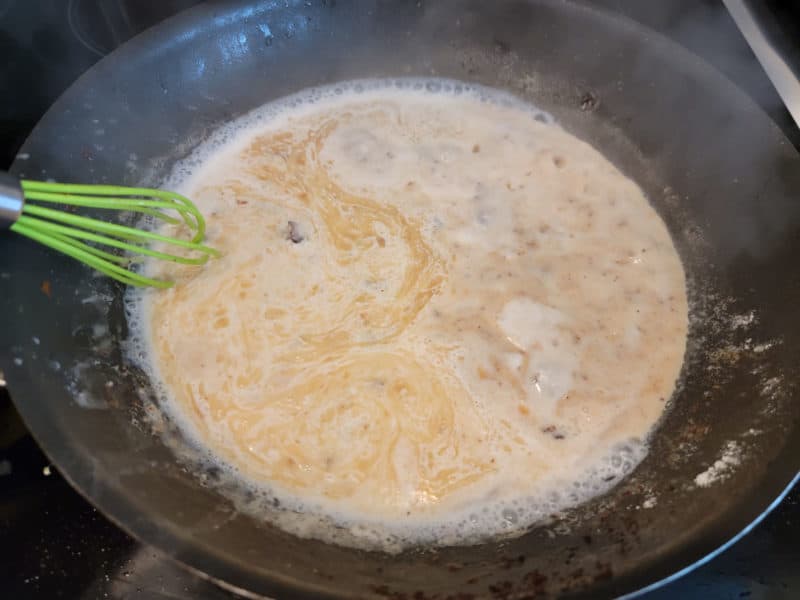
<point>437,314</point>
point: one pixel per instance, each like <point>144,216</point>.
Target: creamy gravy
<point>431,309</point>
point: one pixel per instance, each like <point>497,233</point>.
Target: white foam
<point>298,105</point>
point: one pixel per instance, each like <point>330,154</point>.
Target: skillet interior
<point>718,171</point>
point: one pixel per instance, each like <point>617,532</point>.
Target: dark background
<point>53,544</point>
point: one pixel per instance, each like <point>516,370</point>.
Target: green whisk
<point>23,210</point>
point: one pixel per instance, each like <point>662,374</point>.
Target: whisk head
<point>85,238</point>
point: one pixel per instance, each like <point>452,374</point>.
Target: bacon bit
<point>381,242</point>
<point>293,233</point>
<point>551,429</point>
<point>46,288</point>
<point>241,202</point>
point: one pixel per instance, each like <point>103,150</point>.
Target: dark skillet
<point>717,169</point>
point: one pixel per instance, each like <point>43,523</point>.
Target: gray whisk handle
<point>11,200</point>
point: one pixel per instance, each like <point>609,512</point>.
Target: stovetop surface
<point>54,544</point>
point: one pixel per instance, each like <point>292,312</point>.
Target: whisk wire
<point>119,198</point>
<point>122,231</point>
<point>135,205</point>
<point>115,258</point>
<point>70,233</point>
<point>87,255</point>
